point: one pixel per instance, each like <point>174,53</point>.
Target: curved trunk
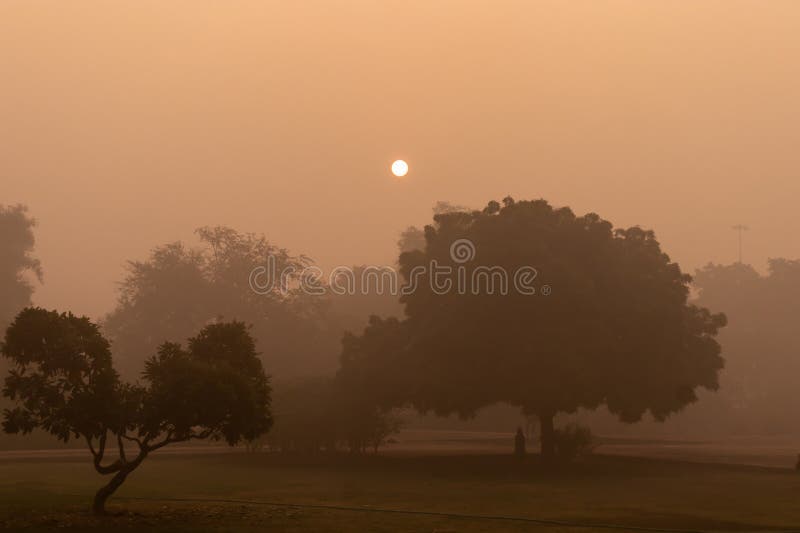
<point>102,495</point>
<point>548,449</point>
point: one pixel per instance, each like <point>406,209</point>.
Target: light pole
<point>741,228</point>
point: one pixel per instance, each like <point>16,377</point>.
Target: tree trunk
<point>548,449</point>
<point>100,497</point>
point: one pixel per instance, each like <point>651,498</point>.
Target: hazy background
<point>124,125</point>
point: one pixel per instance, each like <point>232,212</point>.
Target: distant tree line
<point>762,349</point>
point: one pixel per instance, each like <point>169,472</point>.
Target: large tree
<point>609,321</point>
<point>16,261</point>
<point>62,381</point>
<point>178,289</point>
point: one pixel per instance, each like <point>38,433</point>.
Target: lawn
<point>44,493</point>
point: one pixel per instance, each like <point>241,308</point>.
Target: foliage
<point>573,441</point>
<point>319,414</point>
<point>411,238</point>
<point>16,261</point>
<point>178,290</point>
<point>374,363</point>
<point>759,384</point>
<point>63,381</point>
<point>305,416</point>
<point>617,329</point>
<point>362,291</point>
<point>367,426</point>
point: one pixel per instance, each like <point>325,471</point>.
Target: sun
<point>399,168</point>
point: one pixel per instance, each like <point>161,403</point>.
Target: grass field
<point>47,492</point>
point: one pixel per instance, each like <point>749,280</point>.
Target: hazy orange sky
<point>124,125</point>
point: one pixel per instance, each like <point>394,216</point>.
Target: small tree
<point>573,441</point>
<point>62,381</point>
<point>365,426</point>
<point>316,414</point>
<point>305,412</point>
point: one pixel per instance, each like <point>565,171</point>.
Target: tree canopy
<point>62,381</point>
<point>178,289</point>
<point>608,321</point>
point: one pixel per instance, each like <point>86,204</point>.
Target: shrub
<point>573,441</point>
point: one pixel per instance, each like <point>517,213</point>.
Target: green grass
<point>44,493</point>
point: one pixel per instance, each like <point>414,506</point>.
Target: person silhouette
<point>519,443</point>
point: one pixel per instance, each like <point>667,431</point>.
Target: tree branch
<point>132,439</point>
<point>121,449</point>
<point>170,440</point>
<point>167,440</point>
<point>116,466</point>
<point>202,435</point>
<point>91,448</point>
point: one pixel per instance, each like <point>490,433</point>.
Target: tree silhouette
<point>322,414</point>
<point>16,246</point>
<point>411,238</point>
<point>179,289</point>
<point>17,264</point>
<point>761,345</point>
<point>63,381</point>
<point>616,330</point>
